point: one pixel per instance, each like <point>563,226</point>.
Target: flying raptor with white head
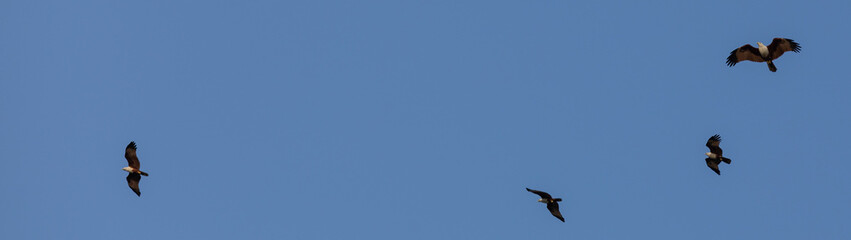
<point>134,173</point>
<point>714,156</point>
<point>552,203</point>
<point>763,53</point>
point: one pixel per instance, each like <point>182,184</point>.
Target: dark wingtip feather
<point>715,137</point>
<point>732,60</point>
<point>795,46</point>
<point>132,145</point>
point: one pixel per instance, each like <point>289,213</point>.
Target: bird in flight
<point>763,53</point>
<point>552,203</point>
<point>714,156</point>
<point>133,168</point>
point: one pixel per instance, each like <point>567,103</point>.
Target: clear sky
<point>422,119</point>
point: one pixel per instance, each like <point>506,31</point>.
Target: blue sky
<point>421,120</point>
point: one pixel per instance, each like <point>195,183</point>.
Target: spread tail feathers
<point>726,160</point>
<point>771,66</point>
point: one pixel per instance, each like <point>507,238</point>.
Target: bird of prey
<point>552,203</point>
<point>134,173</point>
<point>714,156</point>
<point>764,53</point>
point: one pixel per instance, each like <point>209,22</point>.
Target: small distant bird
<point>764,53</point>
<point>133,168</point>
<point>715,154</point>
<point>552,203</point>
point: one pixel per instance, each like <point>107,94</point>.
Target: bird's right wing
<point>540,193</point>
<point>553,207</point>
<point>133,182</point>
<point>746,52</point>
<point>713,164</point>
<point>130,155</point>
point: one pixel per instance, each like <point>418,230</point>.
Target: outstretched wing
<point>746,52</point>
<point>780,45</point>
<point>133,182</point>
<point>713,164</point>
<point>540,193</point>
<point>553,207</point>
<point>713,143</point>
<point>130,155</point>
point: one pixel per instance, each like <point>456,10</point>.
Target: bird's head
<point>128,169</point>
<point>708,154</point>
<point>760,44</point>
<point>542,200</point>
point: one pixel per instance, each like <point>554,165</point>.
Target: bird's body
<point>552,203</point>
<point>715,154</point>
<point>134,173</point>
<point>763,53</point>
<point>763,50</point>
<point>133,170</point>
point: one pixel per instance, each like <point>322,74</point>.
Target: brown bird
<point>133,168</point>
<point>714,154</point>
<point>763,53</point>
<point>552,203</point>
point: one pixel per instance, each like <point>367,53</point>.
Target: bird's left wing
<point>540,193</point>
<point>713,144</point>
<point>780,45</point>
<point>130,155</point>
